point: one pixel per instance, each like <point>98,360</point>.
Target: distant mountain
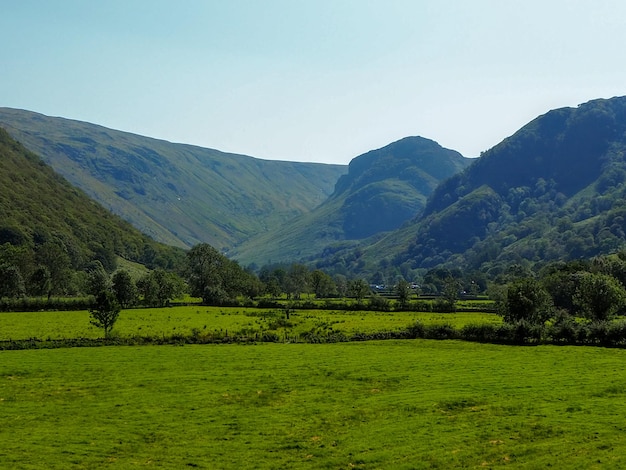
<point>383,189</point>
<point>178,194</point>
<point>39,208</point>
<point>555,190</point>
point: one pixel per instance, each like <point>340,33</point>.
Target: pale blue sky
<point>310,80</point>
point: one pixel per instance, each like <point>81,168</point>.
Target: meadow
<point>407,404</point>
<point>188,320</point>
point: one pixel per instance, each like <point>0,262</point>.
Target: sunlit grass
<point>185,320</point>
<point>392,404</point>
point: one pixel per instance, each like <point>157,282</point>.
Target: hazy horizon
<point>318,81</point>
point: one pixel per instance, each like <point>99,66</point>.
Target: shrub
<point>269,337</point>
<point>484,333</point>
<point>444,331</point>
<point>525,332</point>
<point>421,306</point>
<point>617,333</point>
<point>269,303</point>
<point>598,333</point>
<point>416,330</point>
<point>379,303</point>
<point>443,306</point>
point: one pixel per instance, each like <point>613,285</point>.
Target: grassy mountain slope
<point>383,189</point>
<point>178,194</point>
<point>38,206</point>
<point>556,189</point>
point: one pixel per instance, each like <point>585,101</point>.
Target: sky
<point>310,80</point>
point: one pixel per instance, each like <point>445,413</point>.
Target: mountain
<point>383,189</point>
<point>555,190</point>
<point>41,213</point>
<point>178,194</point>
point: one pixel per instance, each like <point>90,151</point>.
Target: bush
<point>617,333</point>
<point>598,333</point>
<point>416,330</point>
<point>421,306</point>
<point>444,331</point>
<point>269,303</point>
<point>443,306</point>
<point>269,337</point>
<point>35,304</point>
<point>379,303</point>
<point>525,332</point>
<point>566,331</point>
<point>481,333</point>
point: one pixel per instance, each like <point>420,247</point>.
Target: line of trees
<point>56,267</point>
<point>585,290</point>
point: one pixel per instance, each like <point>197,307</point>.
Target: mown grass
<point>391,404</point>
<point>185,320</point>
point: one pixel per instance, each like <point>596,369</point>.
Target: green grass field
<point>184,320</point>
<point>388,404</point>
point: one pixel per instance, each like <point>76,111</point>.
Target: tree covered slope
<point>178,194</point>
<point>40,208</point>
<point>554,190</point>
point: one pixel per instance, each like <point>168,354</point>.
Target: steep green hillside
<point>555,190</point>
<point>178,194</point>
<point>42,215</point>
<point>382,190</point>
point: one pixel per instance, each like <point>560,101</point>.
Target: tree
<point>342,284</point>
<point>205,269</point>
<point>450,293</point>
<point>54,257</point>
<point>358,289</point>
<point>124,288</point>
<point>599,296</point>
<point>403,291</point>
<point>322,284</point>
<point>526,299</point>
<point>297,281</point>
<point>159,286</point>
<point>97,278</point>
<point>11,282</point>
<point>105,312</point>
<point>40,281</point>
<point>215,278</point>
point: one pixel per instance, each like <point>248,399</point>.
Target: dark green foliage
<point>322,284</point>
<point>451,293</point>
<point>215,278</point>
<point>40,282</point>
<point>159,287</point>
<point>527,301</point>
<point>552,191</point>
<point>124,288</point>
<point>97,278</point>
<point>599,296</point>
<point>52,231</point>
<point>11,282</point>
<point>358,289</point>
<point>403,292</point>
<point>380,303</point>
<point>297,281</point>
<point>105,312</point>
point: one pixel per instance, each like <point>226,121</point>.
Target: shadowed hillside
<point>383,189</point>
<point>179,194</point>
<point>555,190</point>
<point>45,221</point>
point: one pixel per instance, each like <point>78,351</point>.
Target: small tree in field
<point>403,291</point>
<point>358,289</point>
<point>105,312</point>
